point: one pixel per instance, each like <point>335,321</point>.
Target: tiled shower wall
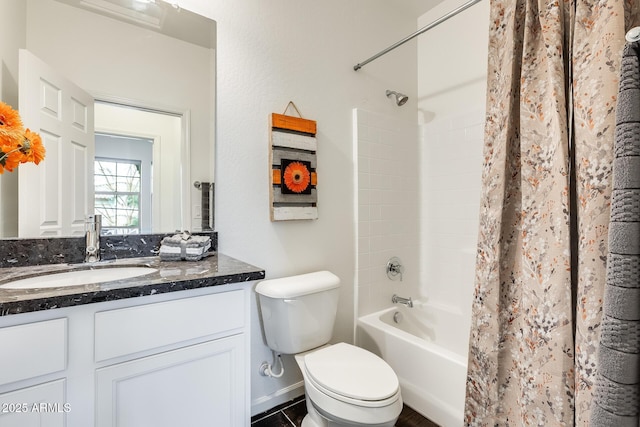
<point>387,208</point>
<point>418,199</point>
<point>450,176</point>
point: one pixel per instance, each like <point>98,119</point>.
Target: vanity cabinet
<point>198,384</point>
<point>179,358</point>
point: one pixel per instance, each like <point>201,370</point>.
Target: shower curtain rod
<point>417,33</point>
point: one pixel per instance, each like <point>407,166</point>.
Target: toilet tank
<point>298,312</point>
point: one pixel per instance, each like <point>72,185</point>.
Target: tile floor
<point>290,414</point>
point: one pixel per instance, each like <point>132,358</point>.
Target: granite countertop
<point>215,270</point>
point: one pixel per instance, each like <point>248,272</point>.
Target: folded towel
<point>198,241</point>
<point>184,246</point>
<point>184,249</point>
<point>176,239</point>
<point>196,254</point>
<point>164,249</point>
<point>170,257</point>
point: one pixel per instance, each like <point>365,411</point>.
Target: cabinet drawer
<point>32,350</point>
<point>131,330</point>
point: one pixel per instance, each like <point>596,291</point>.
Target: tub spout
<point>399,300</point>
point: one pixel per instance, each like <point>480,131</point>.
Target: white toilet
<point>344,385</point>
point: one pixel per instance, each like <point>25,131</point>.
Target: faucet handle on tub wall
<point>395,268</point>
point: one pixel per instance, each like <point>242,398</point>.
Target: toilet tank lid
<point>295,286</point>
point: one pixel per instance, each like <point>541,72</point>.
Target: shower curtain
<point>553,72</point>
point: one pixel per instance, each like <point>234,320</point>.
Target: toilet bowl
<point>346,385</point>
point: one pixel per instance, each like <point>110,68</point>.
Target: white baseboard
<point>264,403</point>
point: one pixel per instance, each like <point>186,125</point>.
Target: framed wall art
<point>294,178</point>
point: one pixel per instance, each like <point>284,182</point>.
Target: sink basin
<point>78,277</point>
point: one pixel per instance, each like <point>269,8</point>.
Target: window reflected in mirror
<point>118,196</point>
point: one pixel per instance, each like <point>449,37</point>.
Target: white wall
<point>12,37</point>
<point>272,52</point>
<point>452,62</point>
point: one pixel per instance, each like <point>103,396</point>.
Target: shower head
<point>400,97</point>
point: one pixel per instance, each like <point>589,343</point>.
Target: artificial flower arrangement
<point>17,144</point>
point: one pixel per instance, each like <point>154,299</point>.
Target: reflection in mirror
<point>124,58</point>
<point>119,200</point>
<point>147,199</point>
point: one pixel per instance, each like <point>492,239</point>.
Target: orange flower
<point>296,177</point>
<point>31,148</point>
<point>16,144</point>
<point>10,125</point>
<point>9,159</point>
<point>9,118</point>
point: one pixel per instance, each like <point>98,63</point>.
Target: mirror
<point>146,54</point>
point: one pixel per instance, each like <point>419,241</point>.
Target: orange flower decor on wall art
<point>17,144</point>
<point>296,176</point>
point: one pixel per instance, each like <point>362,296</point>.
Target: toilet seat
<point>341,412</point>
<point>352,374</point>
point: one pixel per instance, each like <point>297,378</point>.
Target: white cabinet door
<point>199,385</point>
<point>57,195</point>
<point>38,406</point>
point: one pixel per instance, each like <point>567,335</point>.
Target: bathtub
<point>427,349</point>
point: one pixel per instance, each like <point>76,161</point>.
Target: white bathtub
<point>428,351</point>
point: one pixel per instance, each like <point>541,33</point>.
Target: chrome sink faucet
<point>93,226</point>
<point>399,300</point>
